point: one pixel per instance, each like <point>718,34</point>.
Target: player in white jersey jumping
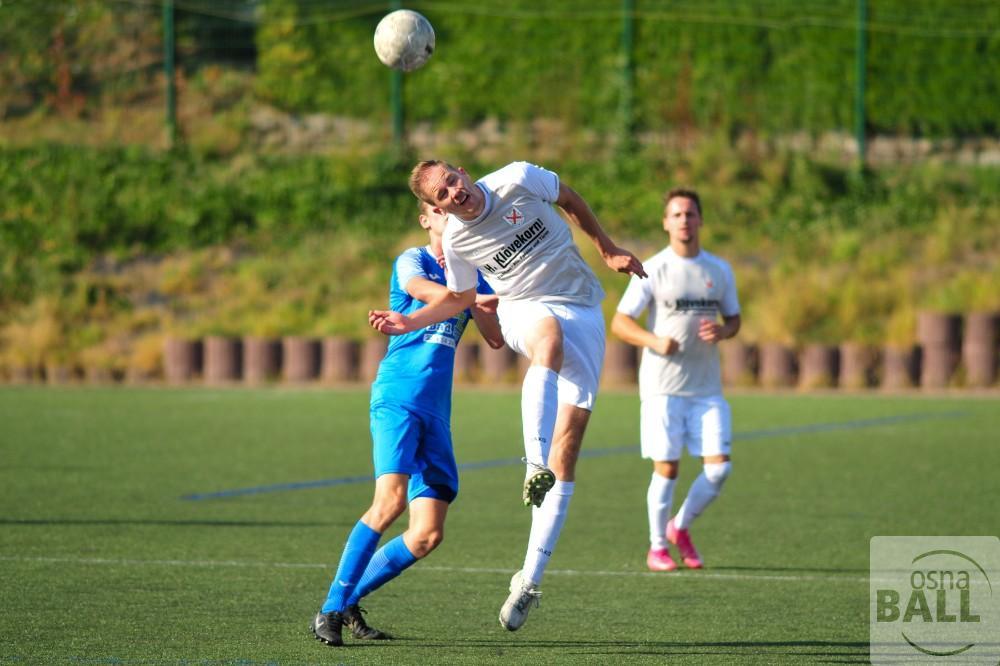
<point>680,386</point>
<point>505,225</point>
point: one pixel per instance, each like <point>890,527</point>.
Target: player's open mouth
<point>461,198</point>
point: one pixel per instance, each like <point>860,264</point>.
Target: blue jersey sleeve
<point>408,266</point>
<point>484,287</point>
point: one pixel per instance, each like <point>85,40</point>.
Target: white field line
<point>708,575</point>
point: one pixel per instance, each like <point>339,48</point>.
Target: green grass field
<point>105,559</point>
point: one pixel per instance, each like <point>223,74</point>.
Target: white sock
<point>659,497</point>
<point>539,406</point>
<point>704,489</point>
<point>546,524</point>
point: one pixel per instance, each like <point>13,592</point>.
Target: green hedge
<point>65,206</point>
<point>295,244</point>
<point>766,65</point>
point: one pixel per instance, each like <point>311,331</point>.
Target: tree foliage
<point>764,65</point>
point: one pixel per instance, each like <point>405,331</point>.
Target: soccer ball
<point>404,40</point>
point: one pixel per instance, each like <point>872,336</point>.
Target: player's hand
<point>710,331</point>
<point>666,346</point>
<point>621,260</point>
<point>389,322</point>
<point>440,261</point>
<point>487,303</point>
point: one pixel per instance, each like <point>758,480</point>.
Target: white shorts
<point>583,343</point>
<point>668,423</point>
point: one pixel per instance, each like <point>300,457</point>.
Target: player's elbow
<point>734,322</point>
<point>464,299</point>
<point>619,326</point>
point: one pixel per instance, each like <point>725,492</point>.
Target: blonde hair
<point>419,173</point>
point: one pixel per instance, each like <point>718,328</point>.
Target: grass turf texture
<point>104,562</point>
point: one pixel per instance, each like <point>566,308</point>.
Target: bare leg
<point>426,530</point>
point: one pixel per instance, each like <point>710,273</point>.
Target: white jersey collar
<point>680,258</point>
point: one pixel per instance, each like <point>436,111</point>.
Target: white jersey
<point>522,246</point>
<point>679,293</point>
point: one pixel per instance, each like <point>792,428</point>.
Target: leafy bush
<point>771,67</point>
<point>275,245</point>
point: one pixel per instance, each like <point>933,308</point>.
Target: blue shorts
<point>406,441</point>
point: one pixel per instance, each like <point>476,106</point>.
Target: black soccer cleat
<point>326,627</point>
<point>355,621</point>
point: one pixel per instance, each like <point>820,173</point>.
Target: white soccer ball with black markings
<point>404,40</point>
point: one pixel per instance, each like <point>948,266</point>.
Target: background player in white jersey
<point>680,382</point>
<point>505,225</point>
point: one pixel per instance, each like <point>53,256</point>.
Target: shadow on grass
<point>773,569</point>
<point>48,522</point>
<point>829,651</point>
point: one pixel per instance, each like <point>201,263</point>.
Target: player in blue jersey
<point>410,426</point>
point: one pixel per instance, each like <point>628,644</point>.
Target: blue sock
<point>391,560</point>
<point>357,554</point>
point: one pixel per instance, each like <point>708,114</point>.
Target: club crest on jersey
<point>514,217</point>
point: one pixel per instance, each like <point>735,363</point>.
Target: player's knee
<point>426,540</point>
<point>548,356</point>
<point>546,345</point>
<point>716,473</point>
<point>386,509</point>
<point>668,469</point>
<point>434,539</point>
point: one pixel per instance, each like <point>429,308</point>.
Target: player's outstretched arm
<point>484,310</point>
<point>617,258</point>
<point>443,306</point>
<point>425,290</point>
<point>389,322</point>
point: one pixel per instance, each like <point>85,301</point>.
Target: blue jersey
<point>418,367</point>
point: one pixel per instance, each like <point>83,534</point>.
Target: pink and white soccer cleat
<point>682,539</point>
<point>658,559</point>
